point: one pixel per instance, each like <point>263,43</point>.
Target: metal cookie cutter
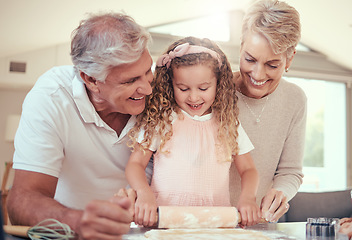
<point>322,228</point>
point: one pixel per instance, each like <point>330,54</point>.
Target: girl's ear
<point>90,82</point>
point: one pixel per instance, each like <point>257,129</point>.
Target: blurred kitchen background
<point>35,36</point>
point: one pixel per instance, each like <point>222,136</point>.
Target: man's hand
<point>106,219</point>
<point>131,194</point>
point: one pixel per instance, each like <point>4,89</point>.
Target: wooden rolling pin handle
<point>20,231</point>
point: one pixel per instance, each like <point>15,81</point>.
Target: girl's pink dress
<point>194,171</point>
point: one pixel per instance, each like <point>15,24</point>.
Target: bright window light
<point>215,27</point>
<point>324,164</point>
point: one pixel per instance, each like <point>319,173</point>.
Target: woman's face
<point>261,69</point>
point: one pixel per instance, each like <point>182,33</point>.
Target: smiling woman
<point>272,110</point>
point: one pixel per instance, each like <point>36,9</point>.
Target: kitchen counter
<point>288,231</point>
<point>282,231</point>
<point>273,230</point>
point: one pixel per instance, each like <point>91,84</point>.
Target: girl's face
<point>261,69</point>
<point>194,88</point>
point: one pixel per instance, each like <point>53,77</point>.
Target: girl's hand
<point>274,205</point>
<point>145,208</point>
<point>249,210</point>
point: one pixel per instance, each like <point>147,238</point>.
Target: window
<point>324,164</point>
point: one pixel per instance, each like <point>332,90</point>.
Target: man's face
<point>126,86</point>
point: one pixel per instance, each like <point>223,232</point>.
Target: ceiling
<point>27,25</point>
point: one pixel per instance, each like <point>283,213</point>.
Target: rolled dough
<point>208,234</point>
<point>197,217</point>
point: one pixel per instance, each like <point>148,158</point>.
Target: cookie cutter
<point>322,228</point>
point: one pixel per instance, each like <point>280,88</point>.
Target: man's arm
<point>31,200</point>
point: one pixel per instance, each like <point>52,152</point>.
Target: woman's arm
<point>288,176</point>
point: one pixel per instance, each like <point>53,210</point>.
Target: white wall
<point>15,86</point>
<point>37,63</point>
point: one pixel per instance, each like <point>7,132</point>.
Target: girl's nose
<point>193,96</point>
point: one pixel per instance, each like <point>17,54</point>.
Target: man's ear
<point>90,82</point>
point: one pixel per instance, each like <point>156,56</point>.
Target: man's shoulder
<point>59,73</point>
<point>55,78</point>
<point>57,81</point>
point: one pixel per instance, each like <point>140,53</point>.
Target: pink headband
<point>185,49</point>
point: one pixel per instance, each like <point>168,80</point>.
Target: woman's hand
<point>145,208</point>
<point>274,205</point>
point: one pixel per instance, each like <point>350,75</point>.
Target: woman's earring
<point>286,69</point>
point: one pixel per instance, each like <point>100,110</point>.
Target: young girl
<point>190,123</point>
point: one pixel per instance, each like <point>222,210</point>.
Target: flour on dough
<point>194,217</point>
<point>208,234</point>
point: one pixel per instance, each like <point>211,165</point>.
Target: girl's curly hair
<point>156,118</point>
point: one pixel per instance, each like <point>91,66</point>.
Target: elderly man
<point>70,148</point>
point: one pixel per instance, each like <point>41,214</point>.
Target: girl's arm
<point>250,212</point>
<point>145,206</point>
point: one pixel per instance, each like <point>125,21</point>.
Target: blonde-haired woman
<point>272,110</point>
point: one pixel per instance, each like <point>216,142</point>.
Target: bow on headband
<point>185,49</point>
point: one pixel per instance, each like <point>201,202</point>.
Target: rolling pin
<point>193,216</point>
<point>198,217</point>
<point>177,217</point>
